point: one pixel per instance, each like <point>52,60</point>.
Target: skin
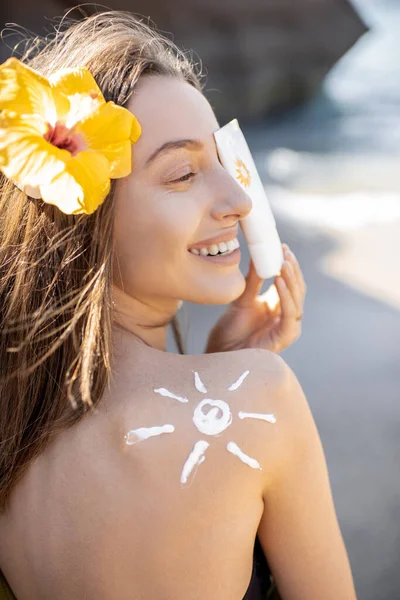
<point>79,505</point>
<point>159,217</point>
<point>179,198</point>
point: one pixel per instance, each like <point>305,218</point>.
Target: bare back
<point>157,495</point>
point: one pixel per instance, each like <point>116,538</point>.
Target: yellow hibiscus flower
<point>59,139</point>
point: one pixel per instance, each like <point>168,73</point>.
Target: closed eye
<point>184,178</point>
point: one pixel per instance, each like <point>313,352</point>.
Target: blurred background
<point>316,86</point>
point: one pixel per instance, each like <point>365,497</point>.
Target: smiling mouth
<point>221,249</point>
<point>217,255</point>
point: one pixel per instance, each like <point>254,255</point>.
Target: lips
<point>228,259</point>
<point>224,237</point>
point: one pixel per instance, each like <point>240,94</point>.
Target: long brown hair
<point>56,269</point>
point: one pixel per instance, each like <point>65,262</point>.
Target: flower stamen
<point>64,138</point>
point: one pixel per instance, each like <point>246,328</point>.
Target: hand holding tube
<point>271,321</point>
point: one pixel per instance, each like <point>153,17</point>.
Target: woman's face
<point>177,198</point>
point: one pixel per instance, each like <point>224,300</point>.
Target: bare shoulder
<point>261,366</point>
<point>264,394</point>
<point>270,377</point>
<point>245,402</point>
<point>261,379</point>
<point>253,379</point>
<point>272,394</point>
<point>275,382</point>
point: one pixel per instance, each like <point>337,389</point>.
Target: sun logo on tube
<point>211,417</point>
<point>242,173</point>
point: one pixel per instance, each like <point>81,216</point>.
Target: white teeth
<point>213,249</point>
<point>223,247</point>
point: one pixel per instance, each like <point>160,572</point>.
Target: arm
<point>299,531</point>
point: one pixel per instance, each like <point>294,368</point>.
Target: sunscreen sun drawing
<point>242,173</point>
<point>211,418</point>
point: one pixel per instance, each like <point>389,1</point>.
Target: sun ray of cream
<point>234,449</point>
<point>264,417</point>
<point>200,387</point>
<point>144,433</point>
<point>196,457</point>
<point>168,394</point>
<point>211,417</point>
<point>239,382</point>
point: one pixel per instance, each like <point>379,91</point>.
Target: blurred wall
<point>260,55</point>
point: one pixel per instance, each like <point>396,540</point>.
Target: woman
<point>103,490</point>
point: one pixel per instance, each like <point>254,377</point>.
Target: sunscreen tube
<point>259,227</point>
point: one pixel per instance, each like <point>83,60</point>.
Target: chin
<point>220,291</point>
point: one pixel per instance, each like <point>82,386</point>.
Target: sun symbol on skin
<point>242,173</point>
<point>211,418</point>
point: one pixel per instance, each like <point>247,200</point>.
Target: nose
<point>230,201</point>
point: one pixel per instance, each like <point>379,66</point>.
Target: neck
<point>147,320</point>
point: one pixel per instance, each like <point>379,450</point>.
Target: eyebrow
<point>175,145</point>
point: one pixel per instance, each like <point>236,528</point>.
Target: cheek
<point>152,235</point>
<point>168,226</point>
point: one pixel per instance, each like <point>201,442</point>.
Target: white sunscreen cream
<point>196,457</point>
<point>144,433</point>
<point>245,415</point>
<point>234,449</point>
<point>215,420</point>
<point>239,382</point>
<point>211,417</point>
<point>259,227</point>
<point>199,385</point>
<point>168,394</point>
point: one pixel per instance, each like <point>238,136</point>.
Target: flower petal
<point>76,81</point>
<point>80,88</point>
<point>110,130</point>
<point>119,157</point>
<point>26,157</point>
<point>24,91</point>
<point>136,130</point>
<point>82,187</point>
<point>33,192</point>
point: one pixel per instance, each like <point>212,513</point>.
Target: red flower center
<point>64,138</point>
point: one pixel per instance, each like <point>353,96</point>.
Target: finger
<point>289,324</point>
<point>290,256</point>
<point>292,284</point>
<point>253,286</point>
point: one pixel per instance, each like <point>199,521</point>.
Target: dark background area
<point>260,56</point>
